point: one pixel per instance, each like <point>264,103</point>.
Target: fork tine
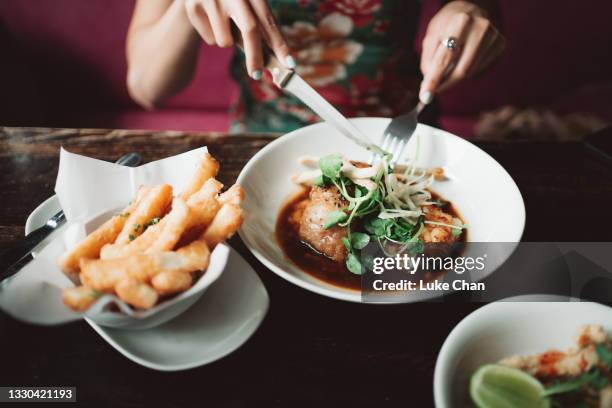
<point>393,145</point>
<point>386,141</point>
<point>399,150</point>
<point>373,155</point>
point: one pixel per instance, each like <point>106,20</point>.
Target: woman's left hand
<point>461,41</point>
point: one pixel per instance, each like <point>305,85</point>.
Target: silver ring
<point>451,43</point>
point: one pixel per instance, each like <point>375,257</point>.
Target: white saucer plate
<point>222,320</point>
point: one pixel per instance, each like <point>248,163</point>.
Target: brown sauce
<point>313,262</point>
<point>303,255</point>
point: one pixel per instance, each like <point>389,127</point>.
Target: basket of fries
<point>144,264</point>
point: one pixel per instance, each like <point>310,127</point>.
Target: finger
<point>251,38</point>
<point>495,49</point>
<point>271,33</point>
<point>443,58</point>
<point>439,66</point>
<point>430,45</point>
<point>477,41</point>
<point>199,20</point>
<point>220,24</point>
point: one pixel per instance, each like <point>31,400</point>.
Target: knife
<point>15,257</point>
<point>288,80</point>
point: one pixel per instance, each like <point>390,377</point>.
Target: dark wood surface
<point>310,350</point>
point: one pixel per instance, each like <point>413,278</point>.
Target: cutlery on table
<point>15,257</point>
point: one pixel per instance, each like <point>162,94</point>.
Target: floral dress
<point>357,53</point>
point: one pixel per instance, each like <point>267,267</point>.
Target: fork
<point>397,134</point>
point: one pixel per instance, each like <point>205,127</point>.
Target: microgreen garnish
<point>334,218</point>
<point>153,221</point>
<point>604,354</point>
<point>132,237</point>
<point>592,377</point>
<point>388,210</point>
<point>359,240</point>
<point>331,165</point>
<point>136,227</point>
<point>353,264</point>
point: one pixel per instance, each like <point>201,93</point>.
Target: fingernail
<point>426,97</point>
<point>290,62</point>
<point>256,75</point>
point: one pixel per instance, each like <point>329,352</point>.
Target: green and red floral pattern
<point>357,53</point>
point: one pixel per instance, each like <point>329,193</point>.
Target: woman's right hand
<point>212,20</point>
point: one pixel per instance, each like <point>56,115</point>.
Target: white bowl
<point>507,328</point>
<point>478,186</point>
<point>125,317</point>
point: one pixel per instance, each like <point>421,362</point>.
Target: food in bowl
<point>158,246</point>
<point>344,205</point>
<point>577,377</point>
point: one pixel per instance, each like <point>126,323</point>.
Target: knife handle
<point>280,73</point>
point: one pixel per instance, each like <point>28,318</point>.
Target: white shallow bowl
<point>126,317</point>
<point>506,328</point>
<point>478,186</point>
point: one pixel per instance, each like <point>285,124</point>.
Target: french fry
<point>226,222</point>
<point>104,274</point>
<point>175,223</point>
<point>204,205</point>
<point>140,244</point>
<point>193,257</point>
<point>171,282</point>
<point>79,298</point>
<point>234,195</point>
<point>209,190</point>
<point>137,294</point>
<point>153,205</point>
<point>106,233</point>
<point>207,169</point>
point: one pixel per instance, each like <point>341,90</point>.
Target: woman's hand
<point>477,44</point>
<point>212,20</point>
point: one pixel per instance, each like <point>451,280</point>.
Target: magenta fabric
<point>68,57</point>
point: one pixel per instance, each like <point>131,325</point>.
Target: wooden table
<point>310,350</point>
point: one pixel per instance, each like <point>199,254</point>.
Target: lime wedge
<point>498,386</point>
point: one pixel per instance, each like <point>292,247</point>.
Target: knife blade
<point>15,257</point>
<point>288,80</point>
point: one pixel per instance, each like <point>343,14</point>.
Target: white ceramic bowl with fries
<point>483,193</point>
<point>110,311</point>
<point>144,264</point>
